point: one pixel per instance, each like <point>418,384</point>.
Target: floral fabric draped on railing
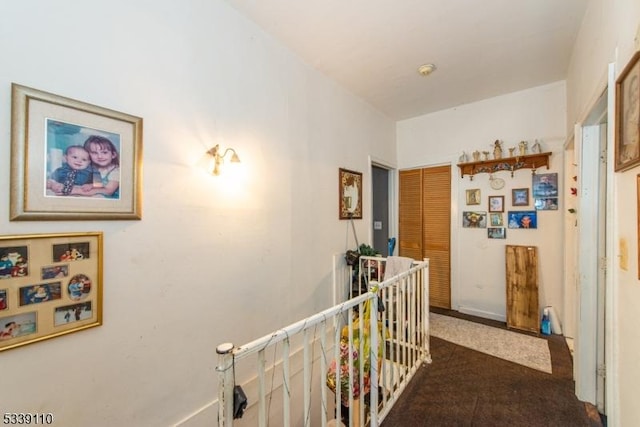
<point>350,352</point>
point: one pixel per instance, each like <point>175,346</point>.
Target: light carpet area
<point>525,350</point>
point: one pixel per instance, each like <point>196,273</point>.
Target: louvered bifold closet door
<point>410,214</point>
<point>436,224</point>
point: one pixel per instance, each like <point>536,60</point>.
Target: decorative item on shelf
<point>497,149</point>
<point>511,150</point>
<point>533,161</point>
<point>536,148</point>
<point>522,147</point>
<point>463,158</point>
<point>485,155</point>
<point>476,156</point>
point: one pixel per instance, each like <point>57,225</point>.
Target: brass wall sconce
<point>218,158</point>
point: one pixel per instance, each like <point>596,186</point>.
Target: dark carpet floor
<point>463,387</point>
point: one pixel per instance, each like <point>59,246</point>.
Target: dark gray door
<point>380,186</point>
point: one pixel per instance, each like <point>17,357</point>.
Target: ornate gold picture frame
<point>349,194</point>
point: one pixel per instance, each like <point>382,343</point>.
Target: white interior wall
<point>213,259</point>
<point>610,33</point>
<point>199,74</point>
<point>478,263</point>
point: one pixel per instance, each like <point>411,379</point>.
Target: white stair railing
<point>308,348</point>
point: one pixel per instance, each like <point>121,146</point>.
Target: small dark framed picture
<point>473,196</point>
<point>497,233</point>
<point>495,220</point>
<point>520,197</point>
<point>496,203</point>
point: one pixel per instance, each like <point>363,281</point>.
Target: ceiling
<point>373,48</point>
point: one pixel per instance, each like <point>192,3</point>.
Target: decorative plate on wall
<point>497,183</point>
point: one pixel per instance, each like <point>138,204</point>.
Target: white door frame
<point>590,253</point>
<point>596,307</point>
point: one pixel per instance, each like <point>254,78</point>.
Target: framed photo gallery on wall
<point>50,285</point>
<point>72,160</point>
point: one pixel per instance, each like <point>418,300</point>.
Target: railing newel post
<point>225,384</point>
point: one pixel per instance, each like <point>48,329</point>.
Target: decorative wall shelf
<point>511,164</point>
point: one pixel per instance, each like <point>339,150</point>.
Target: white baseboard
<point>484,314</point>
<point>202,417</point>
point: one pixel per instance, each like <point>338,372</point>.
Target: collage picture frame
<point>50,285</point>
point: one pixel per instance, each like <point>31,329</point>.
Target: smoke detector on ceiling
<point>426,69</point>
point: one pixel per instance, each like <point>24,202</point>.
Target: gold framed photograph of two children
<point>71,160</point>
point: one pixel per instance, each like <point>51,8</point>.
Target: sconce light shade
<point>218,159</point>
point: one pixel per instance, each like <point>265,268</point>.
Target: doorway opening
<point>381,213</point>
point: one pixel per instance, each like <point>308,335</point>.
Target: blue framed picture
<point>523,219</point>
